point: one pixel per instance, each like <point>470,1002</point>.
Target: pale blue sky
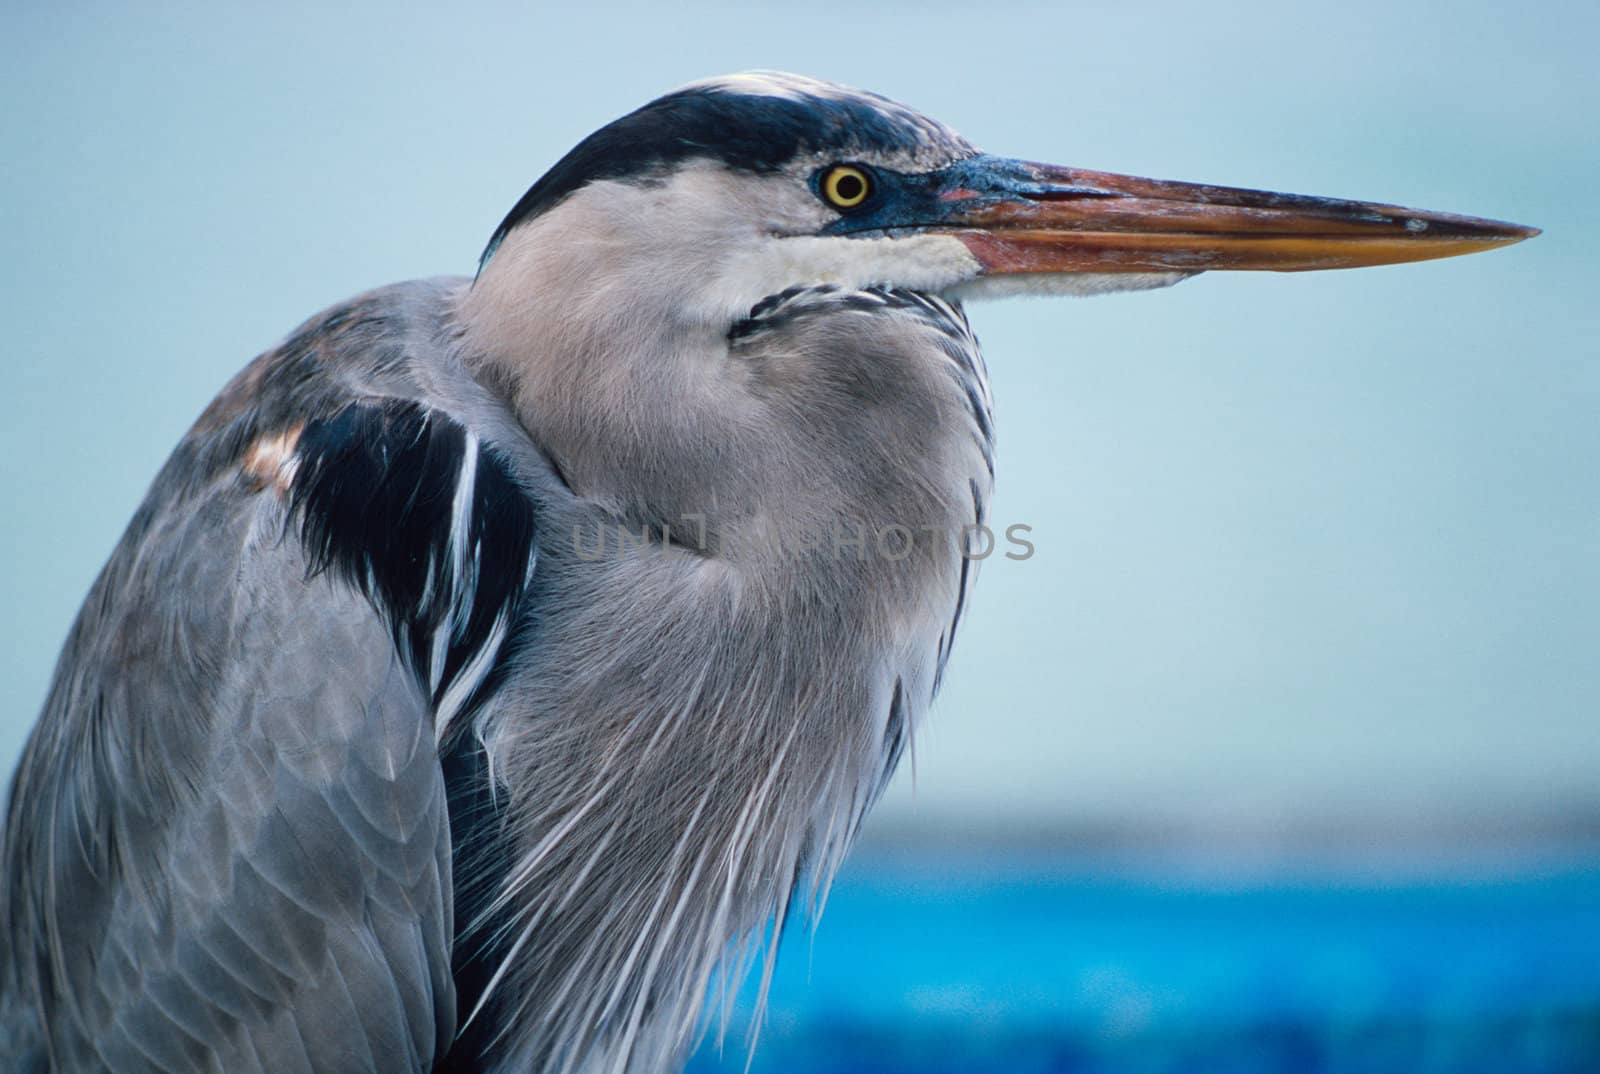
<point>1308,546</point>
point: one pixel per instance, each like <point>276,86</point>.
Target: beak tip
<point>1424,225</point>
<point>1505,230</point>
<point>1504,234</point>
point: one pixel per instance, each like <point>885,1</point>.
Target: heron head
<point>729,190</point>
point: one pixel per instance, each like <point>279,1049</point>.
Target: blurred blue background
<point>1283,751</point>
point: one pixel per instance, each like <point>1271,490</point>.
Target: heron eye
<point>846,187</point>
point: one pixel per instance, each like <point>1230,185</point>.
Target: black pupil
<point>849,187</point>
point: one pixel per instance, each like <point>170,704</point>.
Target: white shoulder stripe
<point>459,587</point>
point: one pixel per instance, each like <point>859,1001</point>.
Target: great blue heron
<point>497,660</point>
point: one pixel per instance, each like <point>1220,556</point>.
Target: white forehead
<point>781,84</point>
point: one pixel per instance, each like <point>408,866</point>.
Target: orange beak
<point>1019,217</point>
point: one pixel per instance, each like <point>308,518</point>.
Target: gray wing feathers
<point>285,905</point>
<point>228,846</point>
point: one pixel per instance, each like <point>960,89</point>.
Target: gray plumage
<point>229,847</point>
<point>496,661</point>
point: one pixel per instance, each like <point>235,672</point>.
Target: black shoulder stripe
<point>481,852</point>
<point>407,505</point>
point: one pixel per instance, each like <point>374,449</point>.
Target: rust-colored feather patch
<point>271,459</point>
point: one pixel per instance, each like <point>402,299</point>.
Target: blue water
<point>1085,966</point>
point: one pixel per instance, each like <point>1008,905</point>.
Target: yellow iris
<point>846,187</point>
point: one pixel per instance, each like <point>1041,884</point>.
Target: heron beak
<point>1019,217</point>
